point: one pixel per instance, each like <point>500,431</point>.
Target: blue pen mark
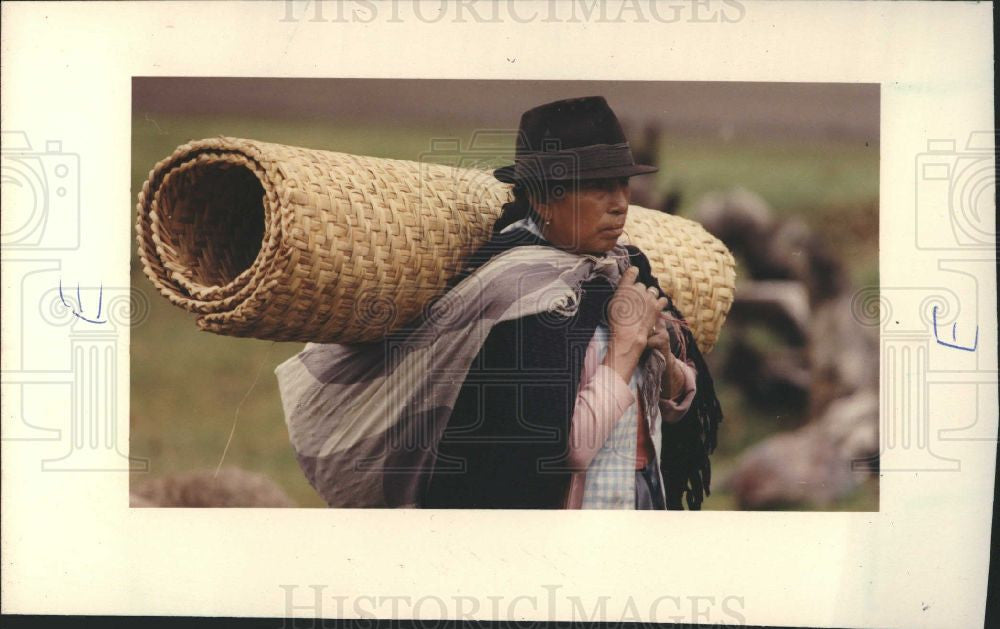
<point>79,301</point>
<point>975,342</point>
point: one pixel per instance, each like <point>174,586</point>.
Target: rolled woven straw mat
<point>291,244</point>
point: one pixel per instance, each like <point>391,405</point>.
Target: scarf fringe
<point>688,443</point>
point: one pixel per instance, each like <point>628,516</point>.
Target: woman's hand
<point>633,311</point>
<point>673,374</point>
<point>660,339</point>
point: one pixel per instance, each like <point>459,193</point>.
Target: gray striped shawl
<point>365,419</point>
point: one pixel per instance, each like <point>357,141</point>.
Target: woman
<point>508,443</point>
<point>526,384</point>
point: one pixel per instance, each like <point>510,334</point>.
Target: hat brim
<point>507,174</point>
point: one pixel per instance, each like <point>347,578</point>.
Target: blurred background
<point>786,174</point>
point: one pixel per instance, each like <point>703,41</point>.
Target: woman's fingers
<point>660,323</point>
<point>659,340</point>
<point>654,304</point>
<point>628,278</point>
<point>650,316</point>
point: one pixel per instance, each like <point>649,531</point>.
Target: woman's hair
<point>525,193</point>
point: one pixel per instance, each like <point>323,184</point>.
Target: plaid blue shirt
<point>610,480</point>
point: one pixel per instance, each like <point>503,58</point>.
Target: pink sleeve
<point>672,410</point>
<point>601,401</point>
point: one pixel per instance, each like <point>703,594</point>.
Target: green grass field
<point>187,385</point>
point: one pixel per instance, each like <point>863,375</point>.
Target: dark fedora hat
<point>571,139</point>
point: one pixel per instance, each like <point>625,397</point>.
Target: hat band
<point>572,162</point>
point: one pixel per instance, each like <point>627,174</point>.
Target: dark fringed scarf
<point>687,443</point>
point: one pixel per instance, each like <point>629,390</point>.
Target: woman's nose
<point>620,198</point>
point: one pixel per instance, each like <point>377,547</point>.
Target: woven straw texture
<point>291,244</point>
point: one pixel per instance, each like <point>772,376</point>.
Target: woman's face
<point>588,219</point>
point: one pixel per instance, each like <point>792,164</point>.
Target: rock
<point>769,248</point>
<point>233,487</point>
<point>740,218</point>
<point>811,465</point>
<point>823,358</point>
<point>772,379</point>
<point>782,305</point>
<point>843,353</point>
